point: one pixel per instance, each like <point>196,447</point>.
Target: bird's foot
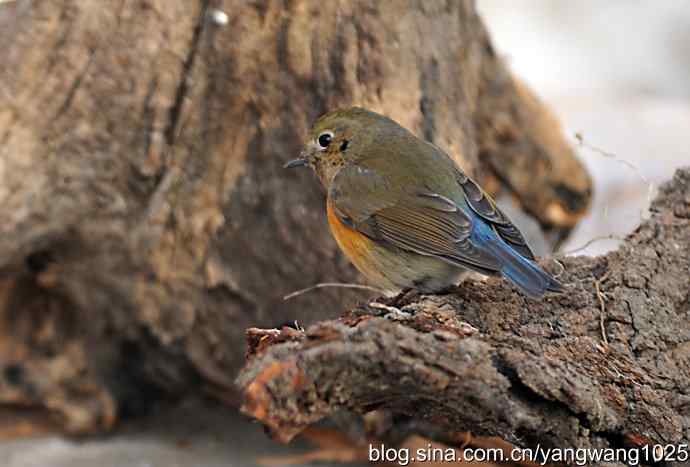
<point>407,296</point>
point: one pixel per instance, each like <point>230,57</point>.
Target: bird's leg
<point>449,290</point>
<point>407,295</point>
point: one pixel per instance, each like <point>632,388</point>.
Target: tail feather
<point>524,273</point>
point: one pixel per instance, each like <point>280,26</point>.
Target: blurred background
<point>616,73</point>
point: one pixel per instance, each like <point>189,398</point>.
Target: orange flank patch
<point>357,247</point>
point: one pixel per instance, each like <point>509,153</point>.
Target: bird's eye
<point>325,139</point>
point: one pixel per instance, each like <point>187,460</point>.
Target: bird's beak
<point>300,162</point>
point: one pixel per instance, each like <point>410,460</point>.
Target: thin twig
<point>332,284</point>
<point>581,141</point>
<point>381,306</point>
<point>556,276</point>
<point>590,241</point>
<point>630,165</point>
<point>602,305</point>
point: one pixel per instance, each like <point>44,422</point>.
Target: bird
<point>405,214</point>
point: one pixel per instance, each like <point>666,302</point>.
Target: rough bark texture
<point>606,364</point>
<point>145,220</point>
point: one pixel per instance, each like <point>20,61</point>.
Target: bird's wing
<point>484,206</point>
<point>425,223</point>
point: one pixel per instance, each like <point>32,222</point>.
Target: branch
<point>486,359</point>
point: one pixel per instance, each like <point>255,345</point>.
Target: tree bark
<point>606,364</point>
<point>145,220</point>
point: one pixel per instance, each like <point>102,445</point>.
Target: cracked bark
<point>145,220</point>
<point>486,359</point>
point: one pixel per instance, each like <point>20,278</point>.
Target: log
<point>606,364</point>
<point>145,219</point>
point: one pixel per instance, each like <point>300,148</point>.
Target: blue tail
<point>524,273</point>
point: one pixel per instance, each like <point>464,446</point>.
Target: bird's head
<point>338,138</point>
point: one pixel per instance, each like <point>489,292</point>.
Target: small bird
<point>405,214</point>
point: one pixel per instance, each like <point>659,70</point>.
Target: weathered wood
<point>145,220</point>
<point>606,364</point>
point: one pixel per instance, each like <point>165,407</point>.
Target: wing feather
<point>484,206</point>
<point>426,223</point>
<point>433,233</point>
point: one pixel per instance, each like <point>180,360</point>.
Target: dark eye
<point>325,139</point>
